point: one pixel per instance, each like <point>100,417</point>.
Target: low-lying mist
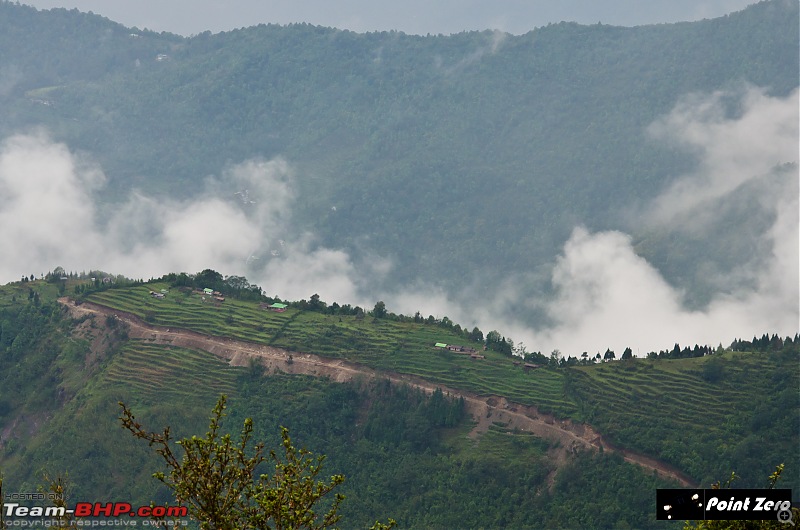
<point>604,294</point>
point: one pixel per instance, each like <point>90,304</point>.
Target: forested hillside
<point>460,159</point>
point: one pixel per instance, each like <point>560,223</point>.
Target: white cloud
<point>605,295</point>
<point>45,206</point>
<point>303,270</point>
<point>733,150</point>
<point>240,225</point>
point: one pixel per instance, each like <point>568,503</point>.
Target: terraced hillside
<point>698,415</point>
<point>403,347</point>
<point>693,419</point>
<point>706,415</point>
<point>490,412</point>
<point>168,374</point>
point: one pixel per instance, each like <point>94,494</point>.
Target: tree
<point>609,355</point>
<point>216,479</point>
<point>315,304</point>
<point>476,335</point>
<point>379,311</point>
<point>209,278</point>
<point>56,275</point>
<point>627,354</point>
<point>498,343</point>
<point>237,283</point>
<point>555,355</point>
<point>713,370</point>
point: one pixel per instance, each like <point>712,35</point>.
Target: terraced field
<point>489,411</point>
<point>402,347</point>
<point>163,373</point>
<point>698,415</point>
<point>229,319</point>
<point>677,386</point>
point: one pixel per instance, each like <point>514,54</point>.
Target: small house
<point>461,349</point>
<point>278,307</point>
<point>440,345</point>
<point>208,291</point>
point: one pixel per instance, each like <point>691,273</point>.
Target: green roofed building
<point>280,308</point>
<point>208,291</point>
<point>440,345</point>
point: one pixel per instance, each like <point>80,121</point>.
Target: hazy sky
<point>188,17</point>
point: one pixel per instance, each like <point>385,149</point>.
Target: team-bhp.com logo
<point>92,514</point>
<point>94,509</point>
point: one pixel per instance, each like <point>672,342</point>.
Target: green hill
<point>62,379</point>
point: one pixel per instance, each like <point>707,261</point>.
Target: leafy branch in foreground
<point>216,479</point>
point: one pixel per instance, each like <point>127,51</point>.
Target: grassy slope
<point>387,345</point>
<point>163,385</point>
<point>706,424</point>
<point>744,416</point>
<point>670,409</point>
<point>501,475</point>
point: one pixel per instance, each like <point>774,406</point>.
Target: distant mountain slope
<point>421,143</point>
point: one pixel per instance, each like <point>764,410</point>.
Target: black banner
<point>721,505</point>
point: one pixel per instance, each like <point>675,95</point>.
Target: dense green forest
<point>406,455</point>
<point>419,143</point>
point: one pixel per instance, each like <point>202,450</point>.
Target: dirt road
<point>570,436</point>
